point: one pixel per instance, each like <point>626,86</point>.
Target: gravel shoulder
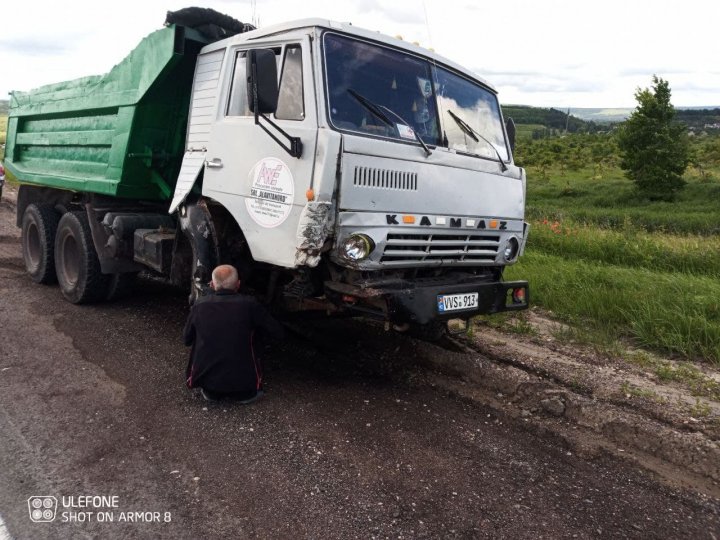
<point>628,406</point>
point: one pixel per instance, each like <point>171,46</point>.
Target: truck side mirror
<point>262,90</point>
<point>262,86</point>
<point>510,129</point>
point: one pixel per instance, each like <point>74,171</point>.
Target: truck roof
<point>347,28</point>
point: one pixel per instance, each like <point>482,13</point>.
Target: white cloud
<point>538,52</point>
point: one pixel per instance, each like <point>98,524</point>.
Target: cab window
<point>290,101</point>
<point>238,104</point>
<point>290,98</point>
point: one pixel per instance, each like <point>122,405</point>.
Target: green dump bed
<point>120,134</point>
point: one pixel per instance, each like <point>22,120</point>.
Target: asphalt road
<point>351,441</point>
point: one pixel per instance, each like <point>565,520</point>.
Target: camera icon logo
<point>42,508</point>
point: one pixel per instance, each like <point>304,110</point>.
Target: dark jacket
<point>221,329</point>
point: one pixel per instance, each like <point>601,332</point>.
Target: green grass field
<point>526,130</point>
<point>616,266</point>
<point>609,201</point>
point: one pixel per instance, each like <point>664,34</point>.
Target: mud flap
<point>193,162</point>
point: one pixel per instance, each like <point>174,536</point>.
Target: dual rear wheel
<point>39,225</point>
<point>59,248</point>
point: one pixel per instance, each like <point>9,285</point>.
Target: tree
<point>654,148</point>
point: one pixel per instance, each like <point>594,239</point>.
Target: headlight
<point>357,247</point>
<point>511,249</point>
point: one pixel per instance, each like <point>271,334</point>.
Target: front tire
<point>39,227</point>
<point>76,262</point>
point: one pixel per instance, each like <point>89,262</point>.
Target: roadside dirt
<point>363,433</point>
<point>596,402</point>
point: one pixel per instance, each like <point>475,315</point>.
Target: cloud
<point>649,72</point>
<point>486,73</point>
<point>692,86</point>
<point>34,46</point>
<point>536,82</point>
<point>401,11</point>
<point>546,52</point>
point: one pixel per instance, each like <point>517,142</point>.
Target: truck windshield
<point>386,78</point>
<point>478,108</point>
<point>420,95</point>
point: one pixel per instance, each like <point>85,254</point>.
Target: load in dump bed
<point>340,170</point>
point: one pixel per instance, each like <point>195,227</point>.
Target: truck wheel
<point>120,285</point>
<point>76,262</point>
<point>39,225</point>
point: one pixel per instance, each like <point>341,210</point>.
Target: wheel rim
<point>70,259</point>
<point>32,248</point>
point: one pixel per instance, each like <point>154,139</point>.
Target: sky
<point>548,53</point>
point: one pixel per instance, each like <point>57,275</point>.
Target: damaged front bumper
<point>419,301</point>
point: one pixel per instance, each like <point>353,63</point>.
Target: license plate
<point>457,302</point>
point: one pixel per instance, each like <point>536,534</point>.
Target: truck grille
<point>440,248</point>
<point>385,179</point>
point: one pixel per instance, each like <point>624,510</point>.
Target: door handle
<point>214,163</point>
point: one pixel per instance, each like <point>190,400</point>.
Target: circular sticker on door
<point>272,190</point>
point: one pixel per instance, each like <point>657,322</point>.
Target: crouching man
<point>221,329</point>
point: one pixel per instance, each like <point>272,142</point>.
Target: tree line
<point>552,119</point>
<point>652,146</point>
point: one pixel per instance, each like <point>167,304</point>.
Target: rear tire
<point>76,262</point>
<point>120,285</point>
<point>39,226</point>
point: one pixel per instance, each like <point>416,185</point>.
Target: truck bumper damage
<point>313,230</point>
<point>423,300</point>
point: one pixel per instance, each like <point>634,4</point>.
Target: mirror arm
<point>295,148</point>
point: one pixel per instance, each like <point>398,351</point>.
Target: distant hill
<point>694,117</point>
<point>602,116</point>
<point>594,119</point>
<point>4,103</point>
<point>551,118</point>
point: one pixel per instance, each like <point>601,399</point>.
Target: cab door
<point>247,171</point>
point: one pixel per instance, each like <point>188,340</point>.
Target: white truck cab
<point>378,171</point>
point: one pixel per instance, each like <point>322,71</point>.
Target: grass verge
<point>630,247</point>
<point>609,201</point>
<point>666,311</point>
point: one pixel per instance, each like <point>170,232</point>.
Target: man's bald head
<point>225,277</point>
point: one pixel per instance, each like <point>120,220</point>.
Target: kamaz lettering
<point>452,222</point>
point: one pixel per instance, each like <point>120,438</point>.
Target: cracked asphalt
<point>352,440</point>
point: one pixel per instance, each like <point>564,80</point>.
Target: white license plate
<point>457,302</point>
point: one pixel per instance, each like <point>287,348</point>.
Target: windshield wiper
<point>370,106</point>
<point>468,130</point>
<point>375,109</point>
<point>417,137</point>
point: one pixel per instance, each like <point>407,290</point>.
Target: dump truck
<point>340,170</point>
